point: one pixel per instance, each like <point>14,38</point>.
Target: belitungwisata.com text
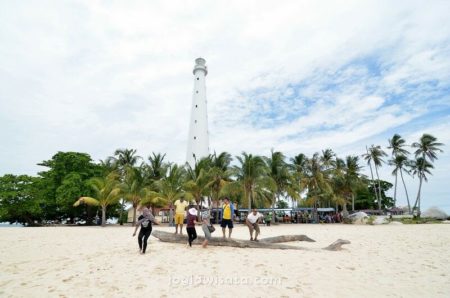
<point>217,280</point>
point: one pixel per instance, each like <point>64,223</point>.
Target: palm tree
<point>198,184</point>
<point>278,170</point>
<point>157,168</point>
<point>327,159</point>
<point>107,191</point>
<point>220,175</point>
<point>317,182</point>
<point>134,187</point>
<point>399,155</point>
<point>427,147</point>
<point>396,144</point>
<point>420,167</point>
<point>368,158</point>
<point>352,177</point>
<point>169,188</point>
<point>122,159</point>
<point>400,162</point>
<point>252,179</point>
<point>375,154</point>
<point>298,166</point>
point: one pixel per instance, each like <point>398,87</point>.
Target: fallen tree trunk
<point>337,245</point>
<point>268,243</point>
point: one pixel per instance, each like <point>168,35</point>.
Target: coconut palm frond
<point>86,200</point>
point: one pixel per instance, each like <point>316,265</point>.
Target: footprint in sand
<point>140,287</point>
<point>67,279</point>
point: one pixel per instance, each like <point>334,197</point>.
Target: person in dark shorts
<point>191,220</point>
<point>145,223</point>
<point>227,217</point>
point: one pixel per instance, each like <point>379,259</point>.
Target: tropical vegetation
<point>74,187</point>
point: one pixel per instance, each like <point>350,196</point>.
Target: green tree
<point>107,192</point>
<point>220,175</point>
<point>399,160</point>
<point>420,167</point>
<point>365,198</point>
<point>123,159</point>
<point>135,188</point>
<point>18,200</point>
<point>278,171</point>
<point>317,181</point>
<point>168,189</point>
<point>252,180</point>
<point>400,163</point>
<point>375,154</point>
<point>346,179</point>
<point>198,184</point>
<point>64,181</point>
<point>157,168</point>
<point>426,148</point>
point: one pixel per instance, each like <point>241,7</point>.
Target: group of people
<point>146,220</point>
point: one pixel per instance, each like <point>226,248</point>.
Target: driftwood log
<point>268,243</point>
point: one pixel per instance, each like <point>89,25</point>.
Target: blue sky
<point>296,76</point>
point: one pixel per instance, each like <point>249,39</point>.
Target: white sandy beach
<point>390,260</point>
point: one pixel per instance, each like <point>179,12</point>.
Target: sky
<point>293,76</point>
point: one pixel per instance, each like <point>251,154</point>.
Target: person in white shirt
<point>252,221</point>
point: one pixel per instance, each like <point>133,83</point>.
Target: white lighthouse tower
<point>198,142</point>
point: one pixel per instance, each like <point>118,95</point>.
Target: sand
<point>387,260</point>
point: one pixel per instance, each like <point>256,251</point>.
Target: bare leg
<point>250,229</point>
<point>176,229</point>
<point>223,232</point>
<point>181,229</point>
<point>205,243</point>
<point>229,232</point>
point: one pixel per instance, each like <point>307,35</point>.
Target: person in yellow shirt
<point>180,209</point>
<point>227,217</point>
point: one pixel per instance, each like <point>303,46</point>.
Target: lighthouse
<point>198,141</point>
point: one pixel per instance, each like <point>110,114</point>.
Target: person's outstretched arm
<point>135,230</point>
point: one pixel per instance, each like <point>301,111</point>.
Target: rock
<point>358,218</point>
<point>380,220</point>
<point>434,212</point>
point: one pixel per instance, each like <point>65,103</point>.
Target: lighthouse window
<point>195,105</point>
<point>195,121</point>
<point>196,91</point>
<point>198,79</point>
<point>195,138</point>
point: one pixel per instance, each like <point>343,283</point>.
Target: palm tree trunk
<point>373,181</point>
<point>273,209</point>
<point>217,213</point>
<point>134,214</point>
<point>121,212</point>
<point>418,196</point>
<point>379,189</point>
<point>353,202</point>
<point>406,191</point>
<point>395,189</point>
<point>103,216</point>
